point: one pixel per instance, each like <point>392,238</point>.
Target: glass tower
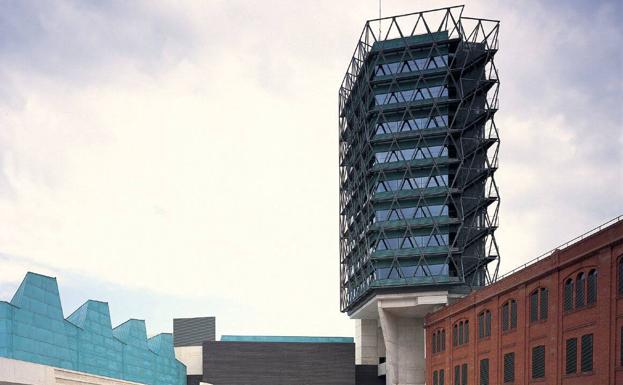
<point>418,151</point>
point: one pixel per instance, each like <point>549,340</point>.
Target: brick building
<point>558,320</point>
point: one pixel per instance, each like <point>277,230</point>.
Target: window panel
<point>464,374</point>
<point>591,287</point>
<point>579,290</point>
<point>435,378</point>
<point>568,300</point>
<point>621,276</point>
<point>586,360</point>
<point>505,316</point>
<point>466,326</point>
<point>538,362</point>
<point>544,303</point>
<point>481,325</point>
<point>571,355</point>
<point>487,323</point>
<point>509,368</point>
<point>484,371</point>
<point>513,314</point>
<point>534,306</point>
<point>442,377</point>
<point>457,375</point>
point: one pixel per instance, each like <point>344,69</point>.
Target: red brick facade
<point>541,322</point>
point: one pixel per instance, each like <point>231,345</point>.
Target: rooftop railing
<point>563,246</point>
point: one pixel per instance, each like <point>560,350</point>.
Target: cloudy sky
<point>180,158</point>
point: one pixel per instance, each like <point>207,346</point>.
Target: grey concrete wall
<point>276,363</point>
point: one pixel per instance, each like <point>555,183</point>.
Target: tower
<point>418,202</point>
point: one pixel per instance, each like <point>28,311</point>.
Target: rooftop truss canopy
<point>418,151</point>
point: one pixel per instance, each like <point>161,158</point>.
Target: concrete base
<point>401,320</point>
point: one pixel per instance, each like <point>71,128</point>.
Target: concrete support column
<point>404,344</point>
<point>366,342</point>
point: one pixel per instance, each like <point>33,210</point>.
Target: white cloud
<point>190,149</point>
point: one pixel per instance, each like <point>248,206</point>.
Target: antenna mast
<point>380,21</point>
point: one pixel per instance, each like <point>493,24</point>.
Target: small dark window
<point>439,345</point>
<point>538,362</point>
<point>505,316</point>
<point>443,340</point>
<point>434,342</point>
<point>455,335</point>
<point>484,371</point>
<point>461,333</point>
<point>466,326</point>
<point>534,306</point>
<point>457,375</point>
<point>484,324</point>
<point>568,301</point>
<point>435,378</point>
<point>579,290</point>
<point>586,360</point>
<point>621,276</point>
<point>441,377</point>
<point>621,346</point>
<point>509,368</point>
<point>543,304</point>
<point>464,374</point>
<point>571,356</point>
<point>513,314</point>
<point>591,287</point>
<point>481,325</point>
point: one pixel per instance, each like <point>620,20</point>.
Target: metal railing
<point>563,246</point>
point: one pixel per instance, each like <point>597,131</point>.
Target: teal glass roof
<point>299,339</point>
<point>32,328</point>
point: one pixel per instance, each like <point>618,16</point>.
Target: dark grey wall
<point>277,363</point>
<point>368,375</point>
<point>193,331</point>
<point>193,379</point>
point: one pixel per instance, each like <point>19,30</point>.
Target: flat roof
<point>299,339</point>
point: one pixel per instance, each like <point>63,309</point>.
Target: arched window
<point>443,340</point>
<point>580,283</point>
<point>513,314</point>
<point>543,302</point>
<point>568,300</point>
<point>434,342</point>
<point>534,306</point>
<point>484,324</point>
<point>461,333</point>
<point>509,315</point>
<point>538,304</point>
<point>591,287</point>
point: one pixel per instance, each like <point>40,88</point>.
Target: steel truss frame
<point>470,137</point>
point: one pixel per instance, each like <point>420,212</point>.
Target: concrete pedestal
<point>401,318</point>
